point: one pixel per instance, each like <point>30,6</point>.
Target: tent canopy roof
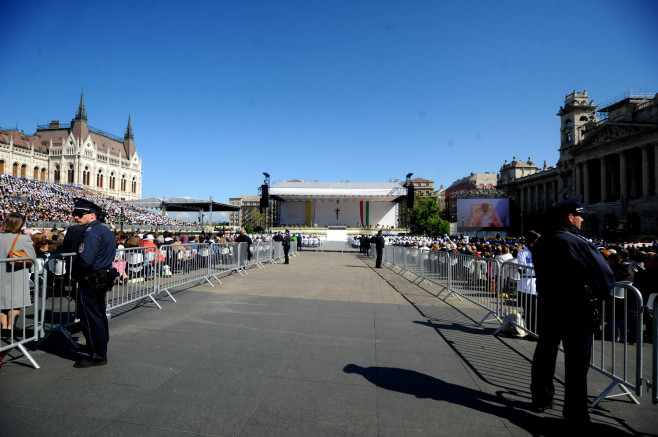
<point>182,204</point>
<point>378,191</point>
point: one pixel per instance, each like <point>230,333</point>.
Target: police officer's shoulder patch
<point>81,248</point>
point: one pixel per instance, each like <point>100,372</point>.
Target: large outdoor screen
<point>482,213</point>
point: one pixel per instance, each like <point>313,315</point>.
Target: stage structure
<point>353,204</point>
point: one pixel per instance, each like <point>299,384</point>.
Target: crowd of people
<point>46,201</point>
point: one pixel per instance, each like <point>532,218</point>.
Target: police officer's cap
<point>85,206</point>
<point>572,205</point>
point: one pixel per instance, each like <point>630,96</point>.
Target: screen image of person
<point>483,215</point>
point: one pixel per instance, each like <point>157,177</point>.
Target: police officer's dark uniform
<point>286,246</point>
<point>92,269</point>
<point>244,238</point>
<point>379,246</point>
<point>570,274</point>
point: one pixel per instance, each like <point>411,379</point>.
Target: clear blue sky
<point>367,91</point>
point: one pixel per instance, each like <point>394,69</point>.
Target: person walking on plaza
<point>286,246</point>
<point>572,277</point>
<point>95,249</point>
<point>379,245</point>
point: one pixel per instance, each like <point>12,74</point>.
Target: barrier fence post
<point>22,290</point>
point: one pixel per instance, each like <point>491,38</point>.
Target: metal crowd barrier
<point>27,329</point>
<point>652,307</point>
<point>50,293</point>
<point>618,342</point>
<point>507,291</point>
<point>59,307</point>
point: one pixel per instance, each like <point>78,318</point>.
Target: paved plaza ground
<point>325,346</point>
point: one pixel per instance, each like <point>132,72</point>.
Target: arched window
<point>2,166</point>
<point>112,181</point>
<point>134,186</point>
<point>86,176</point>
<point>14,170</point>
<point>99,179</point>
<point>24,171</point>
<point>56,174</point>
<point>70,174</point>
<point>35,175</point>
<point>123,183</point>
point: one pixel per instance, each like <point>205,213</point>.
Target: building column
<point>655,169</point>
<point>586,196</point>
<point>623,181</point>
<point>579,181</point>
<point>646,172</point>
<point>604,180</point>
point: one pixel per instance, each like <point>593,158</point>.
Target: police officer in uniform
<point>92,269</point>
<point>572,277</point>
<point>379,246</point>
<point>286,246</point>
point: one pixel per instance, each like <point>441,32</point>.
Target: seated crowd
<point>46,201</point>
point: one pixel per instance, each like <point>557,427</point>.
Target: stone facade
<point>480,185</point>
<point>250,204</point>
<point>75,154</point>
<point>607,155</point>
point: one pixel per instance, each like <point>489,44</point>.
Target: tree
<point>425,217</point>
<point>249,228</point>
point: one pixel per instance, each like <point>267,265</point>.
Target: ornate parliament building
<point>608,154</point>
<point>75,154</point>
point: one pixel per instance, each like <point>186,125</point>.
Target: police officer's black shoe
<point>537,407</point>
<point>88,362</point>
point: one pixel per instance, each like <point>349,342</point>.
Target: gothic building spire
<point>82,112</point>
<point>129,131</point>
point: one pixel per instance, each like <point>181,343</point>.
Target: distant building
<point>477,185</point>
<point>75,154</point>
<point>422,187</point>
<point>607,155</point>
<point>249,208</point>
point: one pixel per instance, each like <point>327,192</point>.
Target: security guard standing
<point>379,246</point>
<point>92,269</point>
<point>572,277</point>
<point>286,246</point>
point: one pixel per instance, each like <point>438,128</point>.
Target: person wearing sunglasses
<point>95,248</point>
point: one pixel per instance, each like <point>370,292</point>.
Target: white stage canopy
<point>379,191</point>
<point>359,204</point>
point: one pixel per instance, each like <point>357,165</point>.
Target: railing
<point>46,295</point>
<point>507,292</point>
<point>22,291</point>
<point>126,227</point>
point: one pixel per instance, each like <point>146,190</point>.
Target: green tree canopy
<point>425,217</point>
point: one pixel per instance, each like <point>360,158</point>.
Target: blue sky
<point>367,91</point>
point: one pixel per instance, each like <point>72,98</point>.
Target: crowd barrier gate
<point>20,277</point>
<point>506,291</point>
<point>144,272</point>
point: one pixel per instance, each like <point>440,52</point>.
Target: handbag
<point>18,254</point>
